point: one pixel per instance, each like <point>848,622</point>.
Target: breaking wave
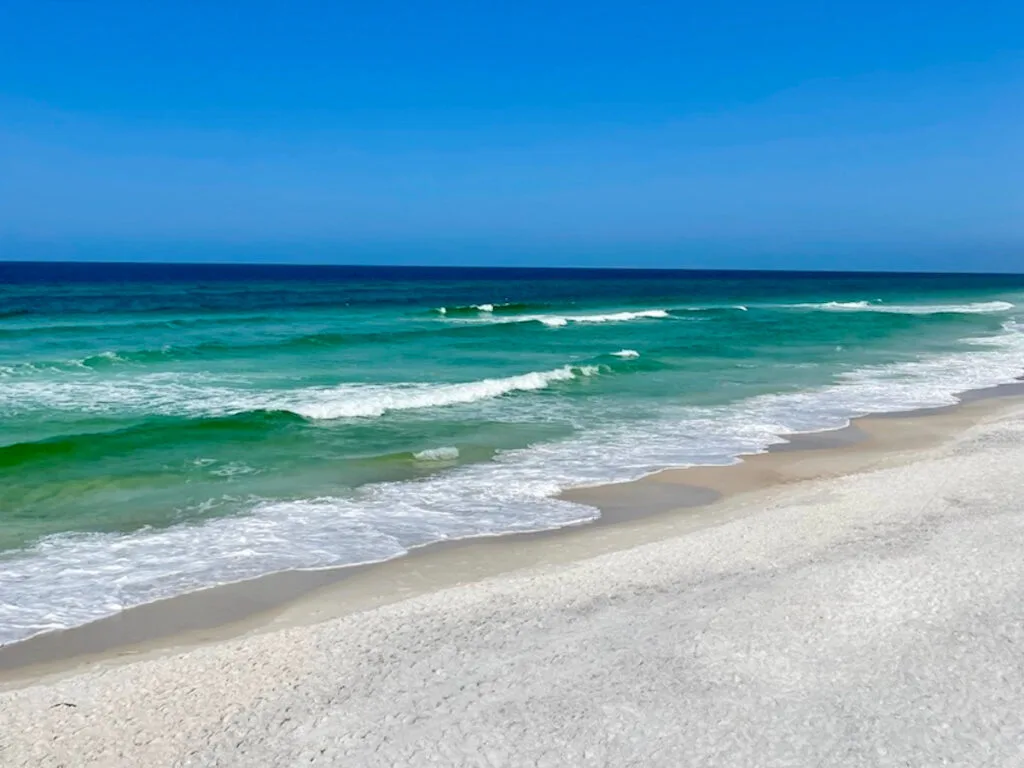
<point>168,394</point>
<point>485,308</point>
<point>559,321</point>
<point>445,453</point>
<point>351,401</point>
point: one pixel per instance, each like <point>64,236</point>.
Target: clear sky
<point>736,134</point>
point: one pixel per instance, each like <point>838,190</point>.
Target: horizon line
<point>498,268</point>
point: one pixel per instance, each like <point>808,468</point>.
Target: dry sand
<point>824,618</point>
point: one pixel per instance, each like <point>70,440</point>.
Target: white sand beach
<point>865,619</point>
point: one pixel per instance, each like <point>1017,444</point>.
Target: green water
<point>167,428</point>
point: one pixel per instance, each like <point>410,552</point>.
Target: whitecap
<point>350,401</point>
<point>445,453</point>
<point>173,394</point>
<point>559,321</point>
<point>975,308</point>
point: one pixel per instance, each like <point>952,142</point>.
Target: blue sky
<point>744,134</point>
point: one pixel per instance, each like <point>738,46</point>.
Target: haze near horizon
<point>753,136</point>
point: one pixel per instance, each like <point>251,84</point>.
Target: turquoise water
<point>168,428</point>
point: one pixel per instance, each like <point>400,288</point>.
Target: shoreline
<point>871,618</point>
<point>667,503</point>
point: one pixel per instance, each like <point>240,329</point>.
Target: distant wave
<point>717,308</point>
<point>977,308</point>
<point>507,313</point>
<point>559,321</point>
<point>484,323</point>
<point>109,358</point>
<point>297,344</point>
<point>131,324</point>
<point>486,308</point>
<point>614,317</point>
<point>99,360</point>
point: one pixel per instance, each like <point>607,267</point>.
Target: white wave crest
<point>615,317</point>
<point>375,400</point>
<point>485,308</point>
<point>168,394</point>
<point>626,354</point>
<point>445,453</point>
<point>714,308</point>
<point>976,308</point>
<point>559,321</point>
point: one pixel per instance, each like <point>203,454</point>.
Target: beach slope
<point>869,619</point>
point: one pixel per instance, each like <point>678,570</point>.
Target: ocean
<point>169,427</point>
